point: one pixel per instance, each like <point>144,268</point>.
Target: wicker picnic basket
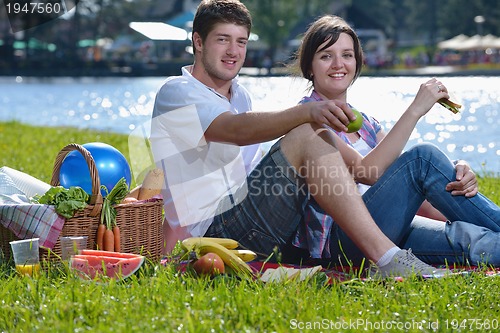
<point>140,223</point>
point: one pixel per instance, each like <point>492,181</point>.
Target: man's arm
<point>261,126</point>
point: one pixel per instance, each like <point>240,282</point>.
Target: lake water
<point>123,104</point>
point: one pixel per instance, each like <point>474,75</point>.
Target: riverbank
<point>437,71</point>
<point>428,71</point>
<point>173,68</point>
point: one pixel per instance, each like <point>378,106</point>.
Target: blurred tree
<point>448,18</point>
<point>274,20</point>
<point>379,12</point>
<point>423,22</point>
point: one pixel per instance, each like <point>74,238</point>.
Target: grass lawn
<point>159,299</point>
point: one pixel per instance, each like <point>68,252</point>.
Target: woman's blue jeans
<point>472,236</point>
<point>266,219</point>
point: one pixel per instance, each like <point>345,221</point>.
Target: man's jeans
<point>265,220</point>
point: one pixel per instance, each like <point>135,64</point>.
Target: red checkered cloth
<point>20,215</point>
<point>32,221</point>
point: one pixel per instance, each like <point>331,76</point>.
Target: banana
<point>228,243</point>
<point>245,255</point>
<point>203,246</point>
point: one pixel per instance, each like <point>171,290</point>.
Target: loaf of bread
<point>134,193</point>
<point>152,184</point>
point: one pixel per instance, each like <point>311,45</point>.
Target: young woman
<point>331,57</point>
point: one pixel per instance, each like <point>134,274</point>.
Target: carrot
<point>100,236</point>
<point>116,233</point>
<point>109,241</point>
<point>108,212</point>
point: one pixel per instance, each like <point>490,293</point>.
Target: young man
<point>217,182</point>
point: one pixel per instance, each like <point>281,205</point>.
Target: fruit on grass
<point>209,264</point>
<point>228,243</point>
<point>100,253</point>
<point>114,265</point>
<point>356,124</point>
<point>204,245</point>
<point>245,255</point>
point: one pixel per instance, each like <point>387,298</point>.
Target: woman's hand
<point>466,183</point>
<point>428,94</point>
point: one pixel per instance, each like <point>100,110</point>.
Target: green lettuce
<point>65,201</point>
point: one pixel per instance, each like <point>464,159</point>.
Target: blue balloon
<point>110,163</point>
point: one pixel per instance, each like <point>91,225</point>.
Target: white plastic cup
<point>26,256</point>
<point>71,245</point>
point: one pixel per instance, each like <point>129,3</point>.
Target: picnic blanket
<point>24,219</point>
<point>343,274</point>
<point>332,274</point>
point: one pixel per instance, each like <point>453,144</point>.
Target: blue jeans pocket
<point>259,242</point>
<point>252,239</point>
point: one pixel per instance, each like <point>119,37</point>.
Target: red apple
<point>209,264</point>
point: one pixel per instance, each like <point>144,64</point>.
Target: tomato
<point>209,264</point>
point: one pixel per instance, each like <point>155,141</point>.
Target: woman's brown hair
<point>326,29</point>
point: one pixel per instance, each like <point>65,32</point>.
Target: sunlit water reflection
<point>122,104</point>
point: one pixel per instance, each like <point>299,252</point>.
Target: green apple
<point>356,124</point>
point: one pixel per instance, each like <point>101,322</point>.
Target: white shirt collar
<point>186,71</point>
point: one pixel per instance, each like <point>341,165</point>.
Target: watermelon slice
<point>109,253</point>
<point>94,266</point>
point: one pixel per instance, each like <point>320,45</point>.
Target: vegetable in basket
<point>65,201</point>
<point>108,232</point>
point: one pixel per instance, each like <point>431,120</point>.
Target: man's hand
<point>334,114</point>
<point>466,181</point>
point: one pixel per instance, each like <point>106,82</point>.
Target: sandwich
<point>452,106</point>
